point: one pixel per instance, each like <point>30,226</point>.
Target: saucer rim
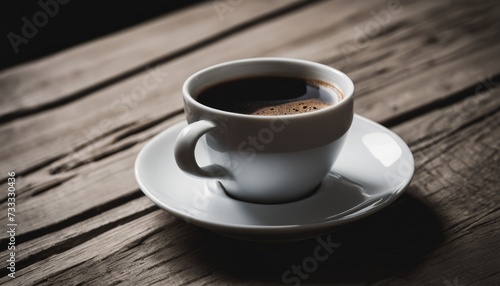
<point>271,230</point>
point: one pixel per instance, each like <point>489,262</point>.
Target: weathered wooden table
<point>72,124</point>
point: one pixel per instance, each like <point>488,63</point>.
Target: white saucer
<point>372,170</point>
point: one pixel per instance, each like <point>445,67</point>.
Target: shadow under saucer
<point>394,240</point>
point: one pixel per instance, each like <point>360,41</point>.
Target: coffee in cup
<point>270,95</point>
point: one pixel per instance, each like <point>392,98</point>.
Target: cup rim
<point>347,97</point>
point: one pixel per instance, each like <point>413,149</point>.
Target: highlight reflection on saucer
<point>383,147</point>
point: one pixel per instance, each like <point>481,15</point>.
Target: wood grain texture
<point>101,185</point>
<point>431,73</point>
<point>85,158</point>
<point>77,71</point>
<point>77,233</point>
<point>435,233</point>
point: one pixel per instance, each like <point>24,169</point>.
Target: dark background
<point>76,21</point>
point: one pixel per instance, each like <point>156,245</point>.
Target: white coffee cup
<point>264,159</point>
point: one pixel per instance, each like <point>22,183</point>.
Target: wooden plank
<point>30,86</point>
<point>141,227</point>
<point>436,233</point>
<point>74,199</point>
<point>105,198</point>
<point>108,156</point>
<point>66,238</point>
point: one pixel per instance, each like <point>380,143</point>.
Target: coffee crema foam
<point>303,106</point>
<point>295,107</point>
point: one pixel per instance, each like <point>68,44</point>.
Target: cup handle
<point>184,151</point>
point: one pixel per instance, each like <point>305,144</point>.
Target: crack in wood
<point>47,162</point>
<point>47,279</point>
<point>95,158</point>
<point>35,167</point>
<point>41,187</point>
<point>109,149</point>
<point>38,190</point>
<point>104,135</point>
<point>438,104</point>
<point>376,59</point>
<point>146,126</point>
<point>72,242</point>
<point>455,131</point>
<point>140,240</point>
<point>29,235</point>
